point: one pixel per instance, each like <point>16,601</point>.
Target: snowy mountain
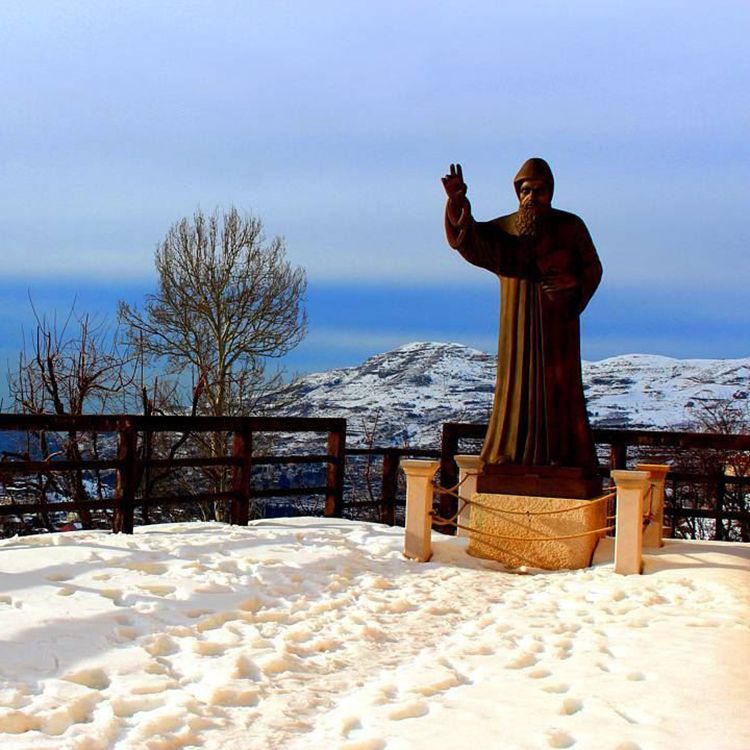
<point>649,391</point>
<point>403,396</point>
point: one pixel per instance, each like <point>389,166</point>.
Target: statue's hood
<point>534,169</point>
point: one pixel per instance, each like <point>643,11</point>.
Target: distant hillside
<point>406,394</point>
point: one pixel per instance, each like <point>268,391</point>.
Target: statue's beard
<point>529,220</point>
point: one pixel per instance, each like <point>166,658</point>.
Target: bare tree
<point>66,369</point>
<point>70,367</point>
<point>725,470</point>
<point>228,301</point>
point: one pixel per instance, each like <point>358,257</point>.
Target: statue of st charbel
<point>548,269</point>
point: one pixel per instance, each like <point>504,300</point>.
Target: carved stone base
<point>539,481</point>
<point>528,535</point>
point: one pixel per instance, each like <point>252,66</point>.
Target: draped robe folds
<point>539,411</point>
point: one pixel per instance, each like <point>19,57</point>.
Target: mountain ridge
<point>403,396</point>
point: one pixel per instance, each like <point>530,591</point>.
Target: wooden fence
<point>381,503</point>
<point>131,463</point>
<point>390,499</point>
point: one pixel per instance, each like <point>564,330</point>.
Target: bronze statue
<point>548,269</point>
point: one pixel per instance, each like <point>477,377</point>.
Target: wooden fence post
<point>618,455</point>
<point>721,489</point>
<point>241,474</point>
<point>146,455</point>
<point>127,477</point>
<point>448,473</point>
<point>335,472</point>
<point>388,487</point>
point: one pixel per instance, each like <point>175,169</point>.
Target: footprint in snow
<point>559,738</point>
<point>558,687</point>
<point>126,633</point>
<point>153,568</point>
<point>372,743</point>
<point>195,613</point>
<point>522,661</point>
<point>95,679</point>
<point>409,710</point>
<point>385,694</point>
<point>161,645</point>
<point>478,649</point>
<point>539,674</point>
<point>54,577</point>
<point>157,589</point>
<point>571,706</point>
<point>116,595</point>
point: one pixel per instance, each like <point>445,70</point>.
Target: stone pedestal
<point>521,538</point>
<point>539,481</point>
<point>631,487</point>
<point>418,531</point>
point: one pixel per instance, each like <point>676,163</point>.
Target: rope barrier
<point>440,521</point>
<point>649,516</point>
<point>500,511</point>
<point>452,490</point>
<point>529,538</point>
<point>453,493</point>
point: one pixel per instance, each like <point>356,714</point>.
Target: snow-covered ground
<point>309,633</point>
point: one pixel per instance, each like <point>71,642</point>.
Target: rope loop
<point>529,513</point>
<point>534,538</point>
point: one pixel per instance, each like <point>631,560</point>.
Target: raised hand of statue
<point>455,187</point>
<point>454,184</point>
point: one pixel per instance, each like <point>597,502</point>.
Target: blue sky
<point>333,122</point>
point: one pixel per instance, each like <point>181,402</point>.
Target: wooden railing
<point>386,504</point>
<point>382,498</point>
<point>131,463</point>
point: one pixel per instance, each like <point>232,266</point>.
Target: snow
<point>312,633</point>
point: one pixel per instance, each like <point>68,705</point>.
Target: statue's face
<point>536,194</point>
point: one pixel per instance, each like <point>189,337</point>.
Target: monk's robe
<point>539,412</point>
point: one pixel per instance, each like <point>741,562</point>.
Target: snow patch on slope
<point>406,394</point>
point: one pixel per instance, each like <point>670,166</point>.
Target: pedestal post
<point>631,487</point>
<point>653,535</point>
<point>419,475</point>
<point>469,468</point>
